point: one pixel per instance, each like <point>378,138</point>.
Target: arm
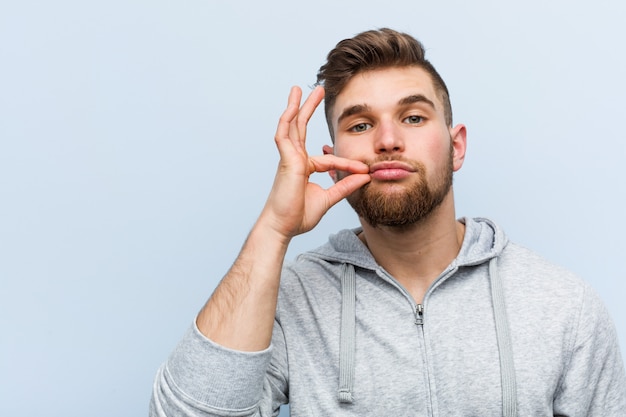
<point>246,298</point>
<point>220,367</point>
<point>594,382</point>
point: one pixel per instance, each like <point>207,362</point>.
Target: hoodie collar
<point>483,240</point>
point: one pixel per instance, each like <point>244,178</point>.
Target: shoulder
<point>548,292</point>
<point>548,295</point>
<point>311,275</point>
<point>521,266</point>
<point>342,248</point>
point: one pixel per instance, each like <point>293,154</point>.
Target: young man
<point>415,313</point>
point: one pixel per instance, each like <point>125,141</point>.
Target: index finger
<point>306,111</point>
<point>325,163</point>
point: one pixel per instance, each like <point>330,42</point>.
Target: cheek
<point>344,149</point>
<point>434,151</point>
<point>435,155</point>
<point>443,147</point>
<point>357,147</point>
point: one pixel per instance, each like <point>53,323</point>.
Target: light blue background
<point>136,151</point>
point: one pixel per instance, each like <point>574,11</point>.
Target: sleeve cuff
<point>216,376</point>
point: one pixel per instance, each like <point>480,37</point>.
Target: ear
<point>329,150</point>
<point>458,135</point>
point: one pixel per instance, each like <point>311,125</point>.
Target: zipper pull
<point>419,315</point>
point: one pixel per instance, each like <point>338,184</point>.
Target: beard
<point>403,206</point>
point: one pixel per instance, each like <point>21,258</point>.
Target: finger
<point>308,108</point>
<point>344,187</point>
<point>290,113</point>
<point>324,163</point>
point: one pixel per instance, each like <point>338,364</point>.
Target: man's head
<point>373,50</point>
<point>386,106</point>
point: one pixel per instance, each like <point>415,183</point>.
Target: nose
<point>388,138</point>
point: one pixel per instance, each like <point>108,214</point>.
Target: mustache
<point>396,158</point>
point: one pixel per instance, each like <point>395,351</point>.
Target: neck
<point>416,255</point>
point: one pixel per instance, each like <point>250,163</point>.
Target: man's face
<point>392,119</point>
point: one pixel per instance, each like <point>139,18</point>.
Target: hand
<point>295,205</point>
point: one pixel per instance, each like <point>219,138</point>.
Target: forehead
<point>381,88</point>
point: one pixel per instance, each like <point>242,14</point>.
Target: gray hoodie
<point>501,332</point>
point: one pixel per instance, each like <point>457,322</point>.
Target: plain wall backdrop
<point>136,150</point>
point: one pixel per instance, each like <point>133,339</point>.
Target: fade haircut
<point>372,50</point>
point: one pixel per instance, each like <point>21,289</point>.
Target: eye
<point>361,127</point>
<point>414,119</point>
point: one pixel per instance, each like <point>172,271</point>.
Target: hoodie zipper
<point>419,315</point>
<point>419,322</point>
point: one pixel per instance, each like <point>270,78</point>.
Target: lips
<point>391,170</point>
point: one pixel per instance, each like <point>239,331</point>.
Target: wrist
<point>272,228</point>
<point>268,232</point>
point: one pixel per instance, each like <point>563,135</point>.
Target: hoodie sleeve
<point>202,379</point>
<point>594,382</point>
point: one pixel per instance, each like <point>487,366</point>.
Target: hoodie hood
<point>483,240</point>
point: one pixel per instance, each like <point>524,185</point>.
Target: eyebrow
<point>416,98</point>
<point>363,108</point>
<point>352,110</point>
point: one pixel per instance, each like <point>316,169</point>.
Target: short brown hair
<point>370,50</point>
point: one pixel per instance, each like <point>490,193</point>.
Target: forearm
<point>203,379</point>
<point>240,313</point>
